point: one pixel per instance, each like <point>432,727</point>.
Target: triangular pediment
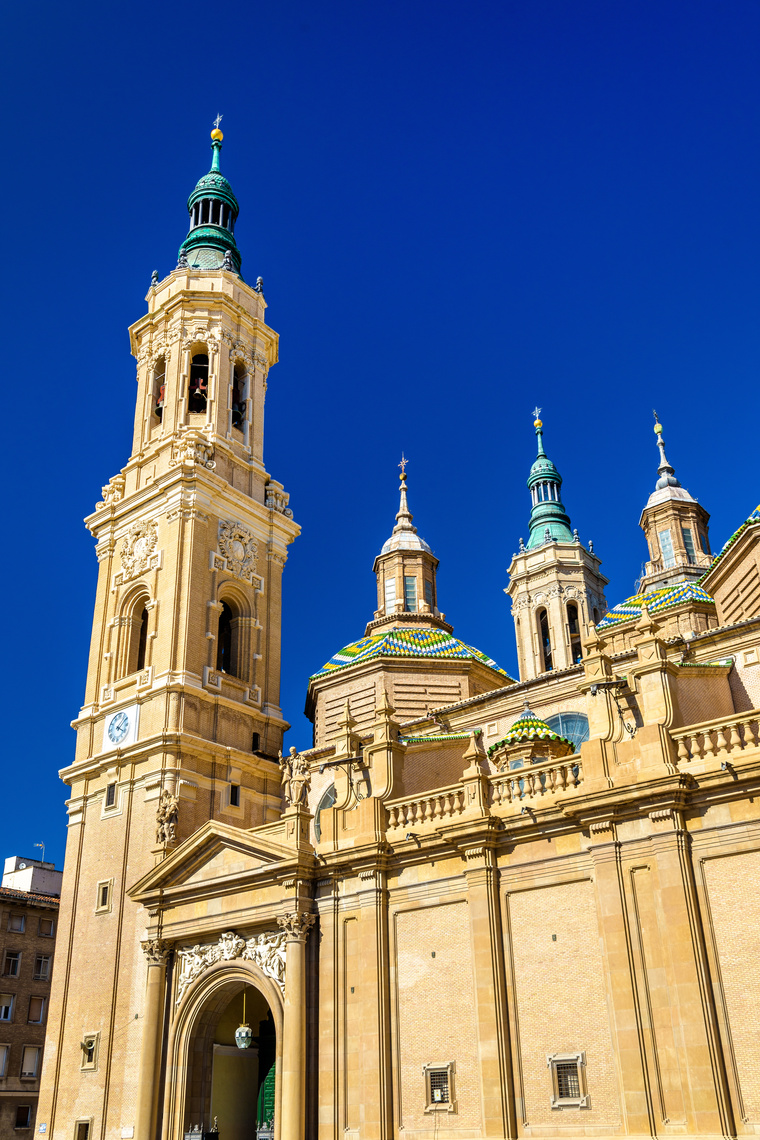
<point>215,852</point>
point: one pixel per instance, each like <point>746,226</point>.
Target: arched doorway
<point>212,1077</point>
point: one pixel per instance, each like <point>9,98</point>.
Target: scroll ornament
<point>267,951</point>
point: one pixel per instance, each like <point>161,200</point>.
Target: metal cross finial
<point>536,412</point>
<point>403,464</point>
<point>218,120</point>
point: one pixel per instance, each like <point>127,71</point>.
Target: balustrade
<point>708,740</point>
<point>536,780</point>
<point>443,803</point>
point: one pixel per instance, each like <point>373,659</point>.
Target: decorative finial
<point>259,284</point>
<point>154,278</point>
<point>576,537</point>
<point>402,465</point>
<point>216,134</point>
<point>665,470</point>
<point>537,418</point>
<point>591,546</point>
<point>522,547</point>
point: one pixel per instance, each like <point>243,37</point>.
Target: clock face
<point>118,728</point>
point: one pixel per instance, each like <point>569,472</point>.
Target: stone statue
<point>166,817</point>
<point>296,778</point>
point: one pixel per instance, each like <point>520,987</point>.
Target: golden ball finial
<point>538,423</point>
<point>217,135</point>
<point>658,429</point>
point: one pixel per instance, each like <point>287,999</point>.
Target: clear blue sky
<point>459,211</point>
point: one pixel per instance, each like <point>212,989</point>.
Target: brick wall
<point>561,1003</point>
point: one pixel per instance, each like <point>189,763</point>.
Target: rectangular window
<point>30,1060</point>
<point>666,548</point>
<point>688,542</point>
<point>110,795</point>
<point>16,923</point>
<point>410,595</point>
<point>568,1080</point>
<point>36,1010</point>
<point>5,1052</point>
<point>103,896</point>
<point>6,1007</point>
<point>47,927</point>
<point>390,594</point>
<point>90,1043</point>
<point>428,591</point>
<point>703,543</point>
<point>23,1116</point>
<point>42,967</point>
<point>235,795</point>
<point>12,963</point>
<point>439,1093</point>
<point>82,1130</point>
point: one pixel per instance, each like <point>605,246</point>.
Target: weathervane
<point>403,464</point>
<point>218,120</point>
<point>536,412</point>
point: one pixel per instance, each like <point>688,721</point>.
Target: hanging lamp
<point>243,1032</point>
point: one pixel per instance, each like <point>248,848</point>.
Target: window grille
<point>573,726</point>
<point>110,795</point>
<point>103,896</point>
<point>568,1075</point>
<point>439,1093</point>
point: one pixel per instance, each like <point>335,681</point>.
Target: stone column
<point>157,953</point>
<point>296,927</point>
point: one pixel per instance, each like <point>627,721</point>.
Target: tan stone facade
<point>445,927</point>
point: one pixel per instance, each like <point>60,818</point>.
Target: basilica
<point>479,906</point>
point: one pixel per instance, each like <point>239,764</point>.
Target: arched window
<point>198,382</point>
<point>225,656</point>
<point>134,648</point>
<point>574,629</point>
<point>239,391</point>
<point>159,388</point>
<point>595,615</point>
<point>546,645</point>
<point>327,801</point>
<point>142,640</point>
<point>204,210</point>
<point>573,726</point>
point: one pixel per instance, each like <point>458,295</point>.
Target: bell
<point>243,1035</point>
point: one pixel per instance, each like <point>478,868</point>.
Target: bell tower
<point>555,585</point>
<point>181,721</point>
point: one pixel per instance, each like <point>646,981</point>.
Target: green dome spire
<point>549,521</point>
<point>213,210</point>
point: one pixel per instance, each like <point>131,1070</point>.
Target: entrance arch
<point>194,1092</point>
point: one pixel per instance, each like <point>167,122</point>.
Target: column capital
<point>296,925</point>
<point>157,951</point>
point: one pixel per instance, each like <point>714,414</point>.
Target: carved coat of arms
<point>238,546</point>
<point>137,549</point>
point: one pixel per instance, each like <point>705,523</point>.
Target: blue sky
<point>458,212</point>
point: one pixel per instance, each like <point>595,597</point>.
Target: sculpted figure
<point>166,817</point>
<point>296,778</point>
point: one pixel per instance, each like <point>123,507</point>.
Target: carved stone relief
<point>138,551</point>
<point>238,548</point>
<point>192,448</point>
<point>267,951</point>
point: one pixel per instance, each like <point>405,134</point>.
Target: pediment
<point>215,852</point>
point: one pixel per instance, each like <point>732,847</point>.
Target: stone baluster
<point>735,739</point>
<point>722,743</point>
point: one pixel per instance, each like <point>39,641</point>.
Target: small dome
<point>405,540</point>
<point>414,643</point>
<point>527,728</point>
<point>213,185</point>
